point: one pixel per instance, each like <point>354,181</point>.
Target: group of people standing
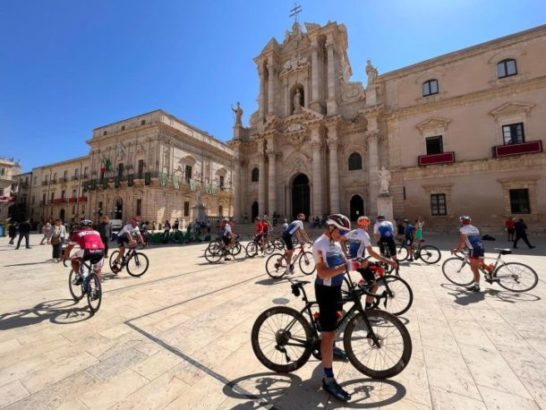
<point>519,228</point>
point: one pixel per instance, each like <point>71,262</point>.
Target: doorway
<point>255,211</point>
<point>301,198</point>
<point>357,207</point>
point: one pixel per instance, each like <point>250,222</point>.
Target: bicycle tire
<point>251,249</point>
<point>430,254</point>
<point>307,263</point>
<point>212,257</point>
<point>75,290</point>
<point>236,250</point>
<point>269,248</point>
<point>94,294</point>
<point>275,265</point>
<point>402,253</point>
<point>281,339</point>
<point>515,272</point>
<point>113,257</point>
<point>397,290</point>
<point>384,325</point>
<point>138,259</point>
<point>215,246</point>
<point>279,244</point>
<point>457,271</point>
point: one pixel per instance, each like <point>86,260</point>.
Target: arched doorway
<point>301,198</point>
<point>61,215</point>
<point>118,209</point>
<point>357,207</point>
<point>255,211</point>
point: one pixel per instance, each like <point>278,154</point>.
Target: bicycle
<point>289,337</point>
<point>385,251</point>
<point>86,284</point>
<point>255,245</point>
<point>512,276</point>
<point>427,253</point>
<point>216,250</point>
<point>137,263</point>
<point>277,263</point>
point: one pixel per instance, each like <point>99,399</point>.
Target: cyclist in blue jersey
<point>409,235</point>
<point>383,232</point>
<point>294,228</point>
<point>470,238</point>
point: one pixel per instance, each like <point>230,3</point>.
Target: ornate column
<point>271,85</point>
<point>272,185</point>
<point>331,103</point>
<point>314,74</point>
<point>236,182</point>
<point>373,168</point>
<point>334,171</point>
<point>317,172</point>
<point>261,182</point>
<point>262,108</point>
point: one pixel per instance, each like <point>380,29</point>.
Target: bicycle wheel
<point>75,288</point>
<point>457,271</point>
<point>388,268</point>
<point>236,250</point>
<point>430,254</point>
<point>516,277</point>
<point>275,265</point>
<point>387,356</point>
<point>94,293</point>
<point>213,256</point>
<point>402,253</point>
<point>281,339</point>
<point>113,257</point>
<point>307,263</point>
<point>269,248</point>
<point>251,249</point>
<point>399,294</point>
<point>214,246</point>
<point>279,244</point>
<point>138,264</point>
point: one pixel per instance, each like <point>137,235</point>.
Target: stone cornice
<point>511,108</point>
<point>433,123</point>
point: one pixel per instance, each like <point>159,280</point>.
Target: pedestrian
<point>166,231</point>
<point>46,231</point>
<point>510,228</point>
<point>521,233</point>
<point>24,232</point>
<point>12,232</point>
<point>419,223</point>
<point>105,231</point>
<point>58,235</point>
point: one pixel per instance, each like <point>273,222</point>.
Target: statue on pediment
<point>238,114</point>
<point>384,180</point>
<point>371,72</point>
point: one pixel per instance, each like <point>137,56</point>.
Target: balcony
<point>530,147</point>
<point>57,201</point>
<point>75,177</point>
<point>436,159</point>
<point>44,183</point>
<point>74,200</point>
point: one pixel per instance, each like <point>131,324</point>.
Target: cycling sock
<point>329,373</point>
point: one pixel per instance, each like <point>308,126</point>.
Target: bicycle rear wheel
<point>94,293</point>
<point>279,244</point>
<point>113,257</point>
<point>402,253</point>
<point>269,248</point>
<point>236,250</point>
<point>75,288</point>
<point>275,266</point>
<point>251,249</point>
<point>380,359</point>
<point>457,271</point>
<point>213,256</point>
<point>281,339</point>
<point>516,277</point>
<point>138,264</point>
<point>307,263</point>
<point>430,254</point>
<point>399,294</point>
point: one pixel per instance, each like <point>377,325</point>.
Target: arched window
<point>506,68</point>
<point>355,161</point>
<point>255,175</point>
<point>430,87</point>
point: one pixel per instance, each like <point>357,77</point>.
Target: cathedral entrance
<point>357,207</point>
<point>255,211</point>
<point>301,196</point>
<point>118,210</point>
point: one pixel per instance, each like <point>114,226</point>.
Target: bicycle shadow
<point>60,311</point>
<point>271,281</point>
<point>502,295</point>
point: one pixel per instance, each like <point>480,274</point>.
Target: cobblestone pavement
<point>179,337</point>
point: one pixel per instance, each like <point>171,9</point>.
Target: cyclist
<point>265,231</point>
<point>258,239</point>
<point>359,242</point>
<point>295,228</point>
<point>409,235</point>
<point>227,237</point>
<point>125,236</point>
<point>331,267</point>
<point>470,238</point>
<point>91,247</point>
<point>383,232</point>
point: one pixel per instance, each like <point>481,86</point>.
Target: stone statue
<point>371,71</point>
<point>384,180</point>
<point>238,114</point>
<point>297,101</point>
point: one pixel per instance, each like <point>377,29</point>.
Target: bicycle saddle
<point>504,251</point>
<point>296,285</point>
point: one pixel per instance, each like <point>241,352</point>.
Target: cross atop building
<point>295,11</point>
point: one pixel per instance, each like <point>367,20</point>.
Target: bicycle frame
<point>496,265</point>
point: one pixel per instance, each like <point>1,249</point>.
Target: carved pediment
<point>511,108</point>
<point>352,91</point>
<point>433,124</point>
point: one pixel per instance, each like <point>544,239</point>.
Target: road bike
<point>137,263</point>
<point>376,342</point>
<point>512,276</point>
<point>427,253</point>
<point>216,250</point>
<point>277,263</point>
<point>86,283</point>
<point>255,246</point>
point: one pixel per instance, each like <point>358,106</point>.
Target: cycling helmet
<point>406,221</point>
<point>226,219</point>
<point>380,218</point>
<point>86,222</point>
<point>363,221</point>
<point>340,221</point>
<point>465,219</point>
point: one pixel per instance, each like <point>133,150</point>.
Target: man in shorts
<point>294,228</point>
<point>470,238</point>
<point>409,235</point>
<point>383,232</point>
<point>91,247</point>
<point>125,236</point>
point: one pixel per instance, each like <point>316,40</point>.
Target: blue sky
<point>68,66</point>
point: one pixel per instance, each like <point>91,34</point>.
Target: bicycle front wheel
<point>251,249</point>
<point>307,263</point>
<point>430,254</point>
<point>138,264</point>
<point>379,347</point>
<point>457,271</point>
<point>399,296</point>
<point>279,244</point>
<point>94,293</point>
<point>74,287</point>
<point>213,255</point>
<point>281,339</point>
<point>113,257</point>
<point>516,277</point>
<point>275,265</point>
<point>402,253</point>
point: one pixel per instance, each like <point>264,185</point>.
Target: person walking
<point>105,231</point>
<point>510,228</point>
<point>46,231</point>
<point>166,231</point>
<point>521,233</point>
<point>12,232</point>
<point>24,232</point>
<point>58,235</point>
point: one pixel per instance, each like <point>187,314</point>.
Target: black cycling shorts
<point>226,239</point>
<point>123,239</point>
<point>387,243</point>
<point>94,256</point>
<point>367,274</point>
<point>287,238</point>
<point>329,301</point>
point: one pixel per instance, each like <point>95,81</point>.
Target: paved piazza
<point>179,337</point>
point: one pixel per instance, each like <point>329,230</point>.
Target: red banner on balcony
<point>82,199</point>
<point>530,147</point>
<point>436,159</point>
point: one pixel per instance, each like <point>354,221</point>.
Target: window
<point>186,208</point>
<point>63,193</point>
<point>143,122</point>
<point>43,199</point>
<point>76,173</point>
<point>74,193</point>
<point>187,173</point>
<point>355,161</point>
<point>65,175</point>
<point>513,133</point>
<point>430,87</point>
<point>33,200</point>
<point>220,210</point>
<point>221,182</point>
<point>255,175</point>
<point>140,168</point>
<point>120,170</point>
<point>104,132</point>
<point>35,180</point>
<point>85,170</point>
<point>438,204</point>
<point>52,196</point>
<point>519,201</point>
<point>435,145</point>
<point>123,127</point>
<point>139,207</point>
<point>506,68</point>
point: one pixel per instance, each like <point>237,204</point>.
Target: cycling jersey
<point>227,230</point>
<point>88,239</point>
<point>384,229</point>
<point>358,241</point>
<point>259,228</point>
<point>265,227</point>
<point>129,229</point>
<point>329,252</point>
<point>294,227</point>
<point>473,239</point>
<point>408,231</point>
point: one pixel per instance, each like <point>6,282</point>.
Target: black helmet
<point>340,221</point>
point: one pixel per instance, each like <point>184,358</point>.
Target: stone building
<point>458,134</point>
<point>8,185</point>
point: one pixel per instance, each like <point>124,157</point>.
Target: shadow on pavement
<point>61,311</point>
<point>28,263</point>
<point>464,297</point>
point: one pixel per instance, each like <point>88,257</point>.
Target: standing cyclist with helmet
<point>470,238</point>
<point>91,247</point>
<point>383,232</point>
<point>125,236</point>
<point>294,228</point>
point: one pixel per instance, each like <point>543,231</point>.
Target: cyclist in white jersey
<point>470,238</point>
<point>294,228</point>
<point>125,236</point>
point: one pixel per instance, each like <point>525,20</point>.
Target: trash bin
<point>2,231</point>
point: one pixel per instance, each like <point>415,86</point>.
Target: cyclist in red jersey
<point>91,247</point>
<point>266,228</point>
